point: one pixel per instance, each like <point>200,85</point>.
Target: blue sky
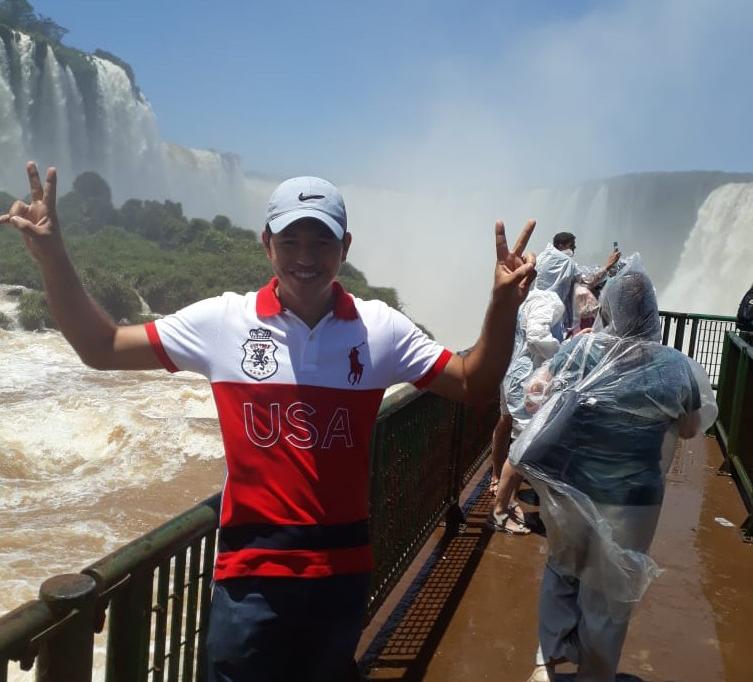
<point>403,92</point>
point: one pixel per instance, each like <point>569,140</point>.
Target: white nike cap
<point>307,197</point>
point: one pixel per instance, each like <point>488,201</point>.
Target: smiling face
<point>306,258</point>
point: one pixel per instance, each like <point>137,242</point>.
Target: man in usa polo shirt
<point>298,370</point>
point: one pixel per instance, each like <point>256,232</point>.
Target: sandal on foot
<point>516,513</point>
<point>507,523</point>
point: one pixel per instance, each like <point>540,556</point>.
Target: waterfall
<point>131,151</point>
<point>54,137</point>
<point>11,132</point>
<point>85,114</point>
<point>79,139</point>
<point>715,266</point>
<point>29,75</point>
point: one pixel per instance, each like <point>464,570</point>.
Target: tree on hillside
<point>222,223</point>
<point>88,206</point>
<point>91,185</point>
<point>17,13</point>
<point>163,223</point>
<point>49,29</point>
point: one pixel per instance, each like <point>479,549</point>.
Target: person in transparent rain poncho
<point>579,277</point>
<point>542,326</point>
<point>538,334</point>
<point>612,406</point>
<point>543,322</point>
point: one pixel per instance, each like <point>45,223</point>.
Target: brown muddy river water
<point>90,460</point>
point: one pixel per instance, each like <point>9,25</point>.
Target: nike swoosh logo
<point>306,197</point>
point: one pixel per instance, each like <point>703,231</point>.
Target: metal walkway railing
<point>734,427</point>
<point>153,594</point>
<point>700,337</point>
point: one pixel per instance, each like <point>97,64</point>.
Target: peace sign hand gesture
<point>37,222</point>
<point>515,269</point>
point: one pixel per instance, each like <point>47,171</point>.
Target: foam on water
<point>9,296</point>
<point>69,431</point>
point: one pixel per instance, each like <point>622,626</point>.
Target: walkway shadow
<point>408,640</point>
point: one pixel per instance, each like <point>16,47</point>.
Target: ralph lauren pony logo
<point>356,367</point>
<point>259,360</point>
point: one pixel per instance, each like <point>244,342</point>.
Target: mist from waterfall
<point>437,249</point>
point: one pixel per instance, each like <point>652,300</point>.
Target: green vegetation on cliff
<point>148,249</point>
<point>21,15</point>
<point>33,312</point>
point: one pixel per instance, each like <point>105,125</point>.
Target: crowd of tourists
<point>591,412</point>
<point>591,402</point>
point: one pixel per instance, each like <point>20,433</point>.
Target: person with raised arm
<point>538,340</point>
<point>298,370</point>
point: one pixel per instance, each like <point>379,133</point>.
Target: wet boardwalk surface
<point>470,611</point>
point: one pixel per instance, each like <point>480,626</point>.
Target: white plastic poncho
<point>560,272</point>
<point>598,449</point>
<point>540,328</point>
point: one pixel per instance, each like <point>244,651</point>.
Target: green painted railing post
<point>738,403</point>
<point>726,388</point>
<point>743,443</point>
<point>66,651</point>
<point>735,402</point>
<point>128,629</point>
<point>667,320</point>
<point>682,320</point>
<point>454,517</point>
<point>693,337</point>
<point>721,426</point>
<point>205,598</point>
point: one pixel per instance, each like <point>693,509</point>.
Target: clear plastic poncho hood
<point>598,449</point>
<point>628,307</point>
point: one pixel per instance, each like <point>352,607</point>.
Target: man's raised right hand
<point>37,221</point>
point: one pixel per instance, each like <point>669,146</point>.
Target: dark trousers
<point>285,629</point>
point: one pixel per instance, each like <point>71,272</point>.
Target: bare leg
<point>500,447</point>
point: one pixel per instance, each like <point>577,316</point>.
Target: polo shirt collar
<point>268,303</point>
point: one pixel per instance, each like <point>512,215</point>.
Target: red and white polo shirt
<point>296,407</point>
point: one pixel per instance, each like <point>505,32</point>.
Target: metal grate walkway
<point>471,610</point>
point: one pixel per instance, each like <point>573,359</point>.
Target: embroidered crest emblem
<point>356,366</point>
<point>259,360</point>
